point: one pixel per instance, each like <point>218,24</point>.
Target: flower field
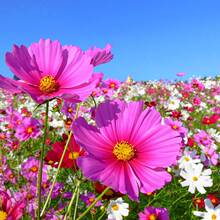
<point>76,146</point>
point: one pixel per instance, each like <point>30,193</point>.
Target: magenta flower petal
<point>151,179</point>
<point>91,167</point>
<point>9,84</point>
<point>78,68</point>
<point>100,56</point>
<point>20,63</point>
<point>90,138</point>
<point>48,56</point>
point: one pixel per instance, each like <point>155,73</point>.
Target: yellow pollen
<point>124,151</point>
<point>187,159</point>
<point>112,85</point>
<point>29,130</point>
<point>70,110</point>
<point>195,178</point>
<point>34,169</point>
<point>152,217</point>
<point>175,127</point>
<point>73,155</point>
<point>3,215</point>
<point>214,217</point>
<point>50,162</point>
<point>115,207</point>
<point>48,84</point>
<point>91,199</point>
<point>11,176</point>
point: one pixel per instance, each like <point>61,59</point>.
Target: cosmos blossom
<point>29,128</point>
<point>8,210</point>
<point>153,213</point>
<point>129,149</point>
<point>47,70</point>
<point>100,56</point>
<point>73,152</point>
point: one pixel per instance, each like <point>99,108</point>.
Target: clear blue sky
<point>151,39</point>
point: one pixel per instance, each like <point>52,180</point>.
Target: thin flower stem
<point>72,199</point>
<point>179,198</point>
<point>59,166</point>
<point>103,212</point>
<point>76,205</point>
<point>56,175</point>
<point>93,204</point>
<point>39,180</point>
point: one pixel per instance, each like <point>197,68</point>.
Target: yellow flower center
<point>48,84</point>
<point>70,110</point>
<point>175,127</point>
<point>124,151</point>
<point>73,155</point>
<point>115,207</point>
<point>214,216</point>
<point>152,217</point>
<point>29,130</point>
<point>112,85</point>
<point>187,159</point>
<point>91,199</point>
<point>3,215</point>
<point>195,178</point>
<point>50,162</point>
<point>34,169</point>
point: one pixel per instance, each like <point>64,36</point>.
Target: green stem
<point>103,212</point>
<point>93,204</point>
<point>72,199</point>
<point>178,199</point>
<point>76,205</point>
<point>59,165</point>
<point>56,175</point>
<point>39,180</point>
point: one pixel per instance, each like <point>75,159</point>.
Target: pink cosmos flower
<point>203,138</point>
<point>29,128</point>
<point>129,148</point>
<point>47,70</point>
<point>89,198</point>
<point>100,56</point>
<point>112,84</point>
<point>152,213</point>
<point>8,210</point>
<point>176,125</point>
<point>181,74</point>
<point>29,169</point>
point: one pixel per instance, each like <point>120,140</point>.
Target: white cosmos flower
<point>196,178</point>
<point>213,213</point>
<point>173,103</point>
<point>116,209</point>
<point>187,159</point>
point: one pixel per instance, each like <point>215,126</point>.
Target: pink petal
<point>90,138</point>
<point>151,179</point>
<point>48,56</point>
<point>91,167</point>
<point>78,69</point>
<point>21,64</point>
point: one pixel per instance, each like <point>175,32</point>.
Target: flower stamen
<point>124,151</point>
<point>48,84</point>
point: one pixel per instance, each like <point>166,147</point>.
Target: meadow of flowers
<point>76,146</point>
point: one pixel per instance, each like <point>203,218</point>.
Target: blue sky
<point>151,39</point>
